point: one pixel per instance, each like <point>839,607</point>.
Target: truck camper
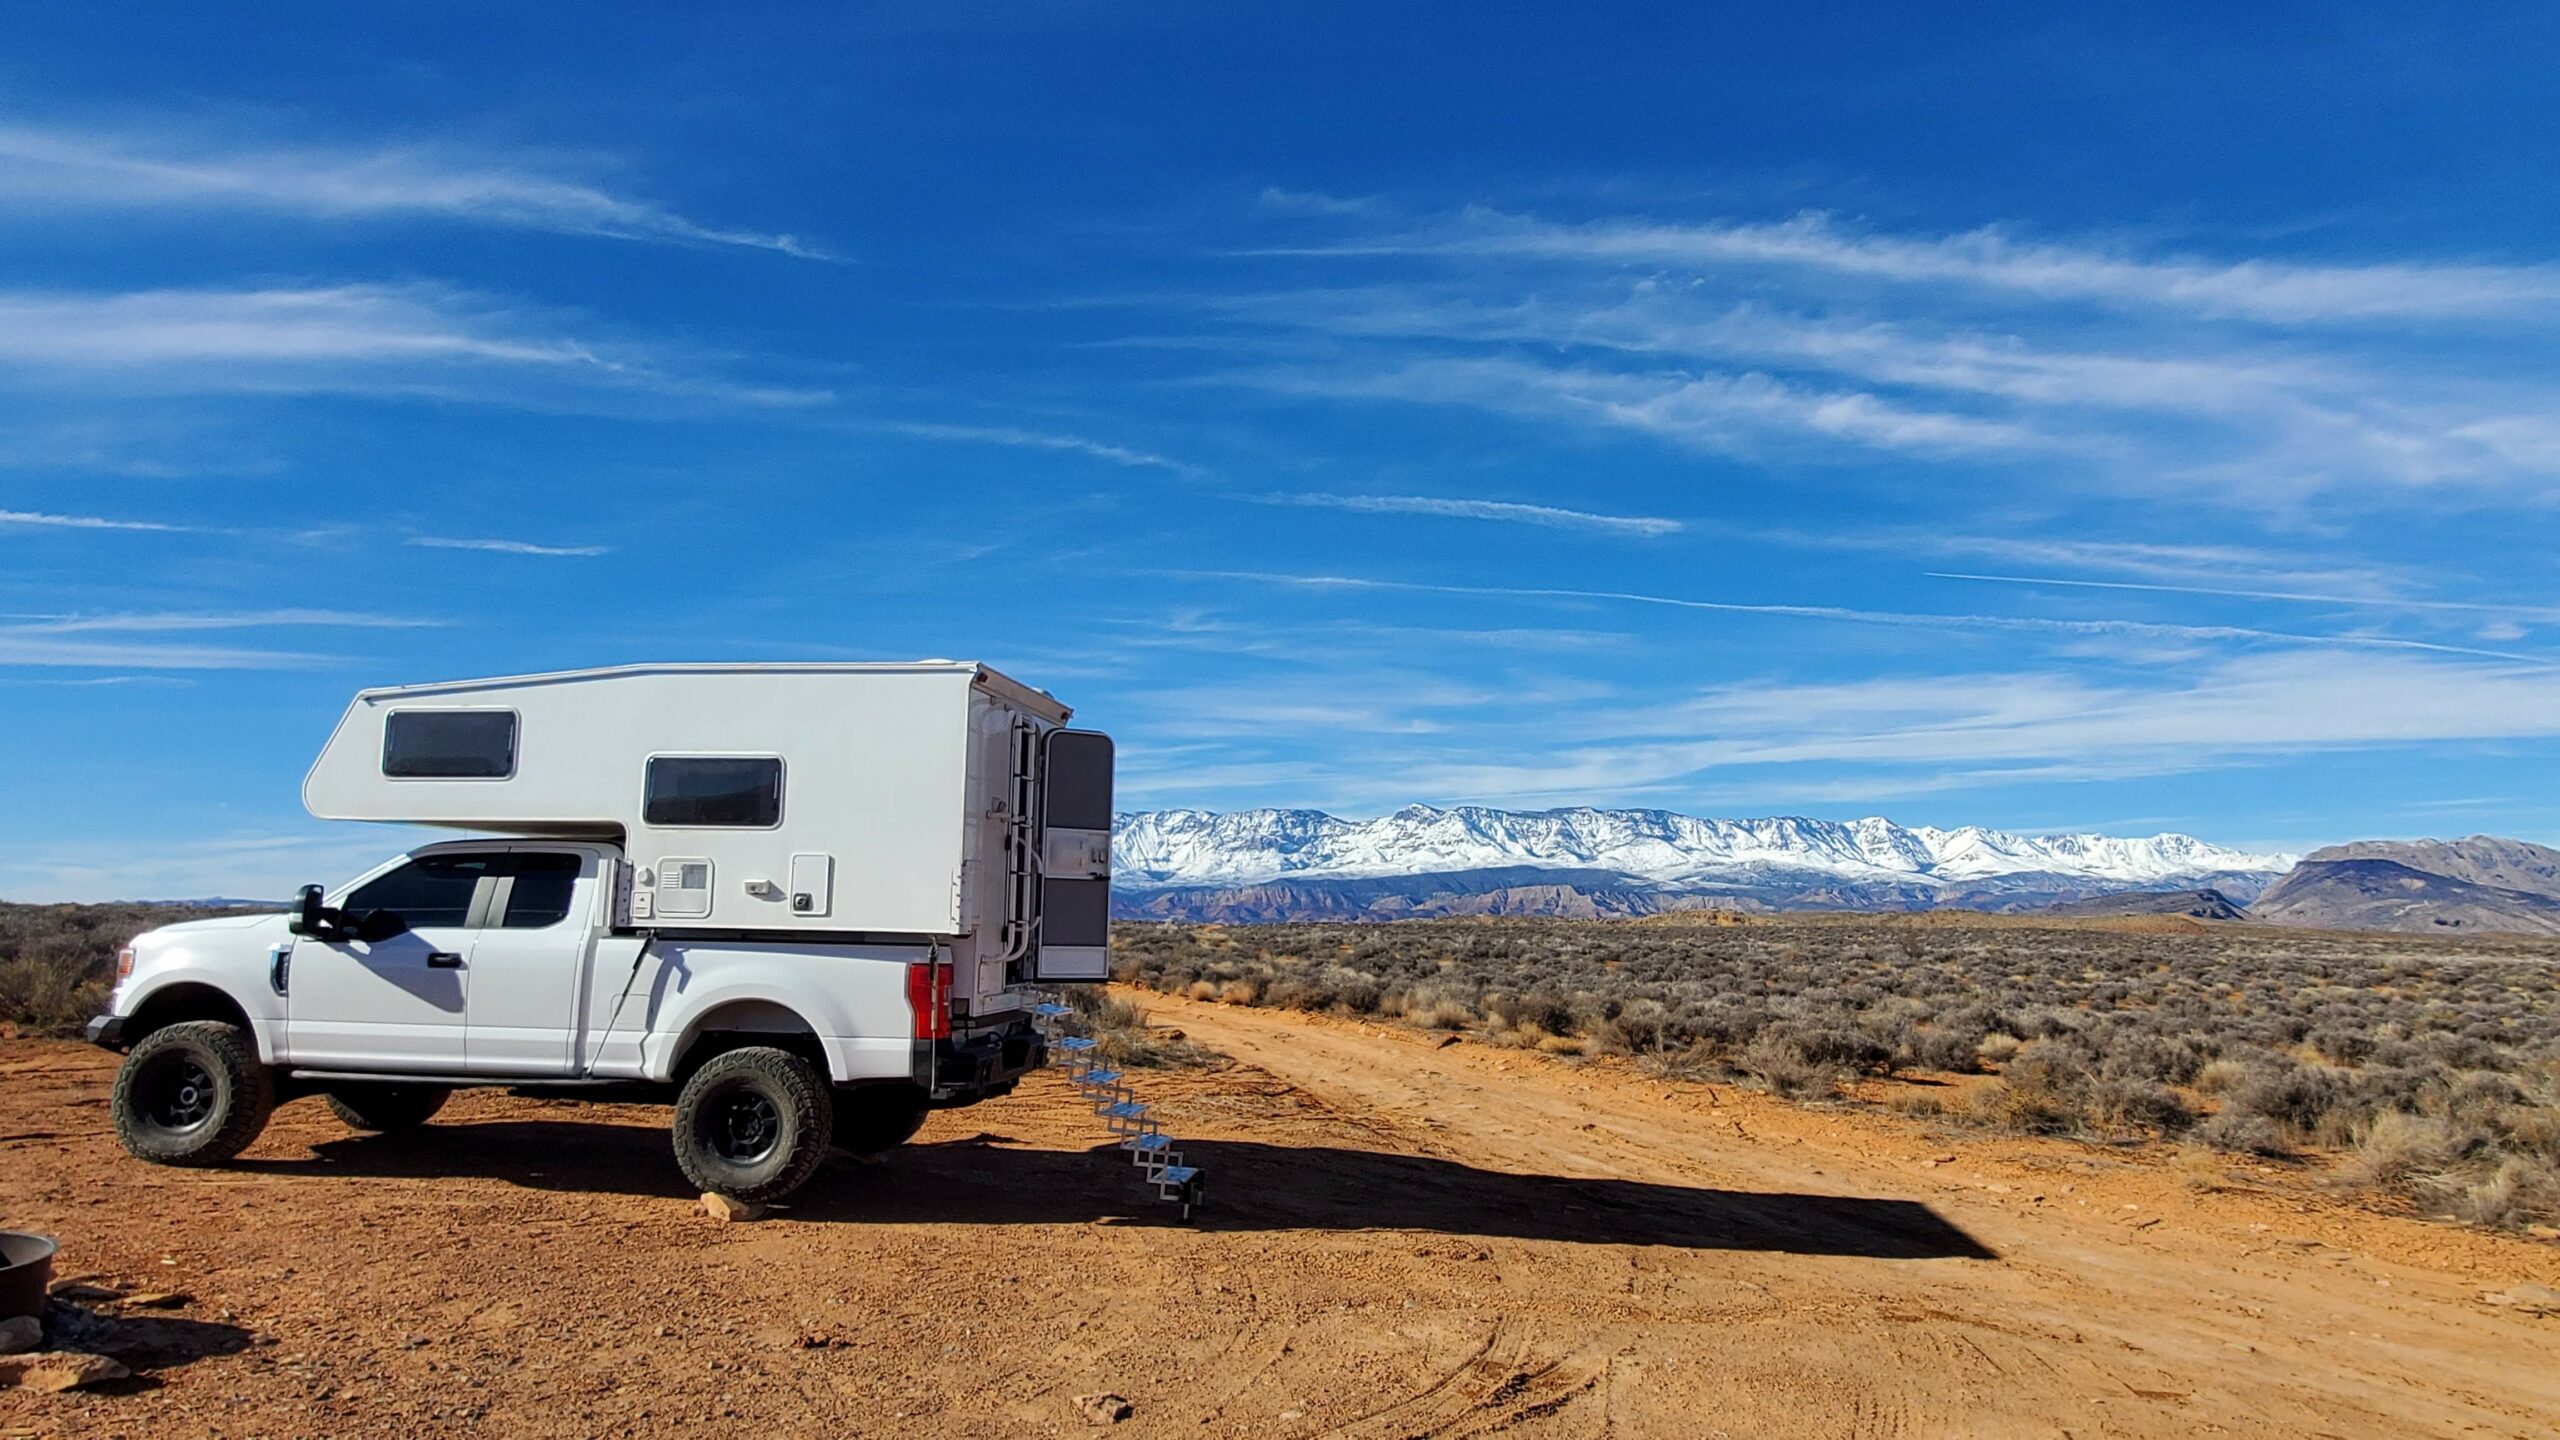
<point>807,903</point>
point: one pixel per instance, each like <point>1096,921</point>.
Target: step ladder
<point>1106,1089</point>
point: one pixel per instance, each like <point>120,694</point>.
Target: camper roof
<point>986,676</point>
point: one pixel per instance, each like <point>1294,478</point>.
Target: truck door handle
<point>444,960</point>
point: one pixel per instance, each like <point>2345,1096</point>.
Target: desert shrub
<point>1938,1047</point>
<point>2521,1191</point>
<point>1779,1063</point>
<point>2295,1098</point>
<point>1699,1061</point>
<point>2036,1094</point>
<point>2398,1148</point>
<point>2242,1132</point>
<point>2129,1105</point>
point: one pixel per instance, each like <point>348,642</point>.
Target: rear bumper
<point>106,1030</point>
<point>985,1063</point>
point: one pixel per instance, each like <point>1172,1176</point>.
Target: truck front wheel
<point>753,1124</point>
<point>387,1108</point>
<point>192,1094</point>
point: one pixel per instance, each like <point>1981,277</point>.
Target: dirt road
<point>1404,1240</point>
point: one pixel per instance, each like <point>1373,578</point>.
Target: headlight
<point>124,964</point>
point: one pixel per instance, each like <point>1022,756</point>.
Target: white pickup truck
<point>806,903</point>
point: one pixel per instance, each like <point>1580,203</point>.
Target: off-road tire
<point>386,1109</point>
<point>753,1124</point>
<point>192,1094</point>
<point>876,1119</point>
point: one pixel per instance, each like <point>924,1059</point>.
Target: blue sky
<point>2129,421</point>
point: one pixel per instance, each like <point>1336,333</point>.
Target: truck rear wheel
<point>386,1108</point>
<point>877,1118</point>
<point>192,1094</point>
<point>753,1124</point>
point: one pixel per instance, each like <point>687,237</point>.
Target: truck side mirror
<point>309,913</point>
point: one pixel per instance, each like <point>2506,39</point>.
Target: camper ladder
<point>1106,1089</point>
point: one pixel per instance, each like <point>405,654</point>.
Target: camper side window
<point>685,790</point>
<point>449,744</point>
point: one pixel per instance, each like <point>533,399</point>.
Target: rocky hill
<point>2482,882</point>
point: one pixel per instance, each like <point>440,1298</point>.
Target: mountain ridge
<point>1273,864</point>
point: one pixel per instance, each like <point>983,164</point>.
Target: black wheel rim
<point>744,1126</point>
<point>177,1093</point>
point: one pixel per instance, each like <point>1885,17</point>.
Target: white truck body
<point>855,859</point>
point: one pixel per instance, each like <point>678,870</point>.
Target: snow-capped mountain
<point>1634,854</point>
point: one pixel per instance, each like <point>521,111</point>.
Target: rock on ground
<point>729,1211</point>
<point>58,1370</point>
<point>20,1333</point>
<point>1105,1409</point>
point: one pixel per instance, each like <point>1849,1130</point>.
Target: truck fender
<point>189,985</point>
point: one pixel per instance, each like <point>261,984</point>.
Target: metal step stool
<point>1155,1154</point>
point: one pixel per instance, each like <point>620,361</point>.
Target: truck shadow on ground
<point>988,1180</point>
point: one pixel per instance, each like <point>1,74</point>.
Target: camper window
<point>685,790</point>
<point>449,744</point>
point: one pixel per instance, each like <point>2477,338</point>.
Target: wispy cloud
<point>506,547</point>
<point>162,621</point>
<point>81,522</point>
<point>422,339</point>
<point>1549,516</point>
<point>2240,380</point>
<point>63,169</point>
<point>1040,440</point>
<point>2085,628</point>
<point>31,648</point>
<point>1994,259</point>
<point>2539,613</point>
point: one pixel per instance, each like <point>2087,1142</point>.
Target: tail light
<point>929,996</point>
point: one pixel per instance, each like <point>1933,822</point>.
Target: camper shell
<point>933,801</point>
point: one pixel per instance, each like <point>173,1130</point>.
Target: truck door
<point>1075,857</point>
<point>394,1003</point>
<point>526,964</point>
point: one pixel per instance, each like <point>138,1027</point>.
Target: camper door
<point>1075,857</point>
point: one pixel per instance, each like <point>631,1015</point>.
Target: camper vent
<point>684,888</point>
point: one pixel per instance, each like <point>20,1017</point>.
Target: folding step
<point>1126,1117</point>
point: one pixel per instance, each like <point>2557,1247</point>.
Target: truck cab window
<point>686,790</point>
<point>428,891</point>
<point>540,896</point>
